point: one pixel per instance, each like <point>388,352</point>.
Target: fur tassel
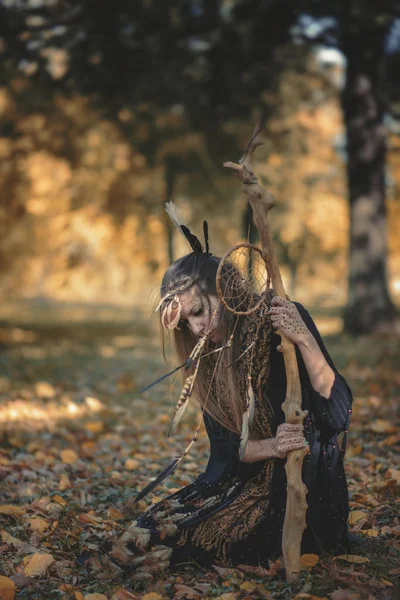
<point>173,213</point>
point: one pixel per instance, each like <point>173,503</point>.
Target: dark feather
<point>205,230</point>
<point>163,475</point>
<point>192,239</point>
<point>162,378</point>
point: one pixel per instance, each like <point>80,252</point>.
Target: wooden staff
<point>261,202</point>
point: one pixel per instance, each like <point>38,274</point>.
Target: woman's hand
<point>286,318</point>
<point>288,437</point>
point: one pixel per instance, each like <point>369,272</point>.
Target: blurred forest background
<point>109,109</point>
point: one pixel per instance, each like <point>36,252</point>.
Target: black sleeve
<point>330,413</point>
<point>223,460</point>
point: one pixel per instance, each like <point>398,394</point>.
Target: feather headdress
<point>175,217</point>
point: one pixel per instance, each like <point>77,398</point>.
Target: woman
<point>233,512</point>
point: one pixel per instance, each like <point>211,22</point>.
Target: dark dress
<point>228,486</point>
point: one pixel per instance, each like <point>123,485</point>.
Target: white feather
<point>174,215</point>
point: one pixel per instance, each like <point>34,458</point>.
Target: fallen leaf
<point>68,456</point>
<point>114,513</point>
<point>131,464</point>
<point>352,558</point>
<point>258,571</point>
<point>7,588</point>
<point>9,509</point>
<point>184,591</point>
<point>38,524</point>
<point>152,596</point>
<point>59,500</point>
<point>43,389</point>
<point>94,426</point>
<point>19,544</point>
<point>370,532</point>
<point>224,572</point>
<point>264,592</point>
<point>95,597</point>
<point>122,594</point>
<point>227,596</point>
<point>65,483</point>
<point>344,595</point>
<point>248,586</point>
<point>38,564</point>
<point>79,596</point>
<point>356,515</point>
<point>393,474</point>
<point>382,426</point>
<point>309,560</point>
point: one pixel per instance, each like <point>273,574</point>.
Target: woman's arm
<point>288,437</point>
<point>286,317</point>
<point>330,406</point>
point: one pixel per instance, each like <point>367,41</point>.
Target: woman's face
<point>198,313</point>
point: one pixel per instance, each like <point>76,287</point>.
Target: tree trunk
<point>369,306</point>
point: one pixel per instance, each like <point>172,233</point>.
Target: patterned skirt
<point>231,523</point>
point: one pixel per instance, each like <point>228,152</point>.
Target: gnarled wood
<point>295,516</point>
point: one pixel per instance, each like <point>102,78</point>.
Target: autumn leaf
<point>131,464</point>
<point>7,588</point>
<point>352,558</point>
<point>38,524</point>
<point>9,509</point>
<point>69,457</point>
<point>345,595</point>
<point>227,596</point>
<point>248,586</point>
<point>17,543</point>
<point>38,564</point>
<point>95,597</point>
<point>356,515</point>
<point>122,594</point>
<point>59,500</point>
<point>382,426</point>
<point>152,596</point>
<point>309,560</point>
<point>184,591</point>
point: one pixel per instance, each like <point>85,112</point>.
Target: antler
<point>261,202</point>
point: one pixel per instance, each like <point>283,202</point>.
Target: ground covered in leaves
<point>78,441</point>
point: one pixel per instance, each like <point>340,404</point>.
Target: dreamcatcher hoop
<point>227,264</point>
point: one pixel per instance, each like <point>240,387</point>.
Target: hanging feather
<point>248,418</point>
<point>244,436</point>
<point>195,353</point>
<point>173,213</point>
<point>171,467</point>
<point>205,231</point>
<point>182,403</point>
